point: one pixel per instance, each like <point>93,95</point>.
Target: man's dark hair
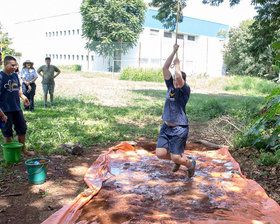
<point>184,75</point>
<point>0,53</point>
<point>7,59</point>
<point>47,58</point>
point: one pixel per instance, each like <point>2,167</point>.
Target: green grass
<point>250,85</point>
<point>140,74</point>
<point>82,119</point>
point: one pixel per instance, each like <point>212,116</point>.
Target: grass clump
<point>141,74</point>
<point>247,84</point>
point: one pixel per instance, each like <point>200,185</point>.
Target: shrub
<point>70,68</point>
<point>140,74</point>
<point>269,158</point>
<point>250,84</point>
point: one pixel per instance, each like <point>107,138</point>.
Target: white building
<point>60,37</point>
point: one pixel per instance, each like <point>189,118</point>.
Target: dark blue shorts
<point>173,138</point>
<point>17,120</point>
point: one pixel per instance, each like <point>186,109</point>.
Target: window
<point>53,56</point>
<point>64,32</point>
<point>69,32</point>
<point>69,56</point>
<point>191,38</point>
<point>180,36</point>
<point>50,34</point>
<point>56,33</point>
<point>53,34</point>
<point>46,55</point>
<point>73,57</point>
<point>87,57</point>
<point>167,35</point>
<point>60,56</point>
<point>92,58</point>
<point>77,57</point>
<point>82,57</point>
<point>60,33</point>
<point>78,31</point>
<point>73,31</point>
<point>57,56</point>
<point>65,57</point>
<point>154,32</point>
<point>46,34</point>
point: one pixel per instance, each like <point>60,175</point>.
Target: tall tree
<point>238,58</point>
<point>266,28</point>
<point>167,12</point>
<point>5,42</point>
<point>107,23</point>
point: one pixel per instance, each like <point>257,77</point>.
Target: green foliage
<point>276,46</point>
<point>266,28</point>
<point>5,42</point>
<point>249,84</point>
<point>218,2</point>
<point>112,21</point>
<point>208,107</point>
<point>237,57</point>
<point>167,12</point>
<point>70,68</point>
<point>267,126</point>
<point>269,158</point>
<point>140,74</point>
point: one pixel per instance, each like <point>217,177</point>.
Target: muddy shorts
<point>48,88</point>
<point>17,120</point>
<point>173,138</point>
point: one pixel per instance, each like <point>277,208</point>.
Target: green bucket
<point>37,170</point>
<point>12,151</point>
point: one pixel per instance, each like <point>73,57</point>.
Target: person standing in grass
<point>28,75</point>
<point>3,117</point>
<point>10,95</point>
<point>48,76</point>
<point>174,131</point>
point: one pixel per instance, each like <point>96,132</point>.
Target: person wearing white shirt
<point>28,75</point>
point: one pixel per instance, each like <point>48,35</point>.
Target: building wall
<point>61,38</point>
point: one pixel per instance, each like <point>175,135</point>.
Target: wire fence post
<point>139,64</point>
<point>88,56</point>
<point>121,56</point>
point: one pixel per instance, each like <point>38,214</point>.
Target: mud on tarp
<point>137,187</point>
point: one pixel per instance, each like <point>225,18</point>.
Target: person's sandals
<point>191,169</point>
<point>175,167</point>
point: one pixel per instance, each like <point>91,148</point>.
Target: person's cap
<point>27,62</point>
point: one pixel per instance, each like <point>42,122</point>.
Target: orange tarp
<point>144,190</point>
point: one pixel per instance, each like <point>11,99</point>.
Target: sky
<point>13,11</point>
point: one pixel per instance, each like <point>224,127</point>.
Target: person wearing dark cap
<point>48,79</point>
<point>29,76</point>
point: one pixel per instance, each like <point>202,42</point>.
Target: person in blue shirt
<point>28,75</point>
<point>10,95</point>
<point>3,117</point>
<point>174,131</point>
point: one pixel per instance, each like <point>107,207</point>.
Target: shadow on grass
<point>210,106</point>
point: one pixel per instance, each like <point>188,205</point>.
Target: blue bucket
<point>37,170</point>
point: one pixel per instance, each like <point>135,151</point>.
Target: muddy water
<point>142,189</point>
